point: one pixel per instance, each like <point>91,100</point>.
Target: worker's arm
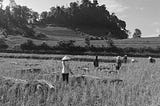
<point>71,72</point>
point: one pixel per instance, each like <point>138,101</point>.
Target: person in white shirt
<point>66,69</point>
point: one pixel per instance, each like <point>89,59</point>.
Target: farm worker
<point>118,62</point>
<point>151,60</point>
<point>132,60</point>
<point>66,69</point>
<point>96,62</point>
<point>125,58</point>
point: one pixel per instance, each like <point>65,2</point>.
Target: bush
<point>3,44</point>
<point>17,47</point>
<point>44,46</point>
<point>40,35</point>
<point>69,46</point>
<point>29,45</point>
<point>95,38</point>
<point>28,32</point>
<point>66,44</point>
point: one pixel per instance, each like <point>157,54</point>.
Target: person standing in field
<point>96,62</point>
<point>118,62</point>
<point>66,69</point>
<point>125,59</point>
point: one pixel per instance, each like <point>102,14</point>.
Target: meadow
<point>37,82</point>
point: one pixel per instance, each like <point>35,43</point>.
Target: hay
<point>17,91</point>
<point>40,92</point>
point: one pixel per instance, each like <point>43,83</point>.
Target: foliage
<point>77,15</point>
<point>29,45</point>
<point>3,44</point>
<point>44,46</point>
<point>17,20</point>
<point>86,14</point>
<point>137,33</point>
<point>66,44</point>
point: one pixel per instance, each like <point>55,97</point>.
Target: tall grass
<point>136,84</point>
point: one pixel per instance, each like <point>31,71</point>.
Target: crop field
<point>56,34</point>
<point>38,82</point>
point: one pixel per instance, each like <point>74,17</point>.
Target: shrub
<point>40,35</point>
<point>44,46</point>
<point>28,32</point>
<point>69,46</point>
<point>17,47</point>
<point>29,45</point>
<point>3,44</point>
<point>66,44</point>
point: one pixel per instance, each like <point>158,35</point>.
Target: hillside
<point>55,34</point>
<point>58,33</point>
<point>152,42</point>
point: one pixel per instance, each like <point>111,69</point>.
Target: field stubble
<point>28,82</point>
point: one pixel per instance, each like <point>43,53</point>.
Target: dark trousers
<point>65,77</point>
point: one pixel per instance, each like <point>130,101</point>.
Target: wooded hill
<point>88,17</point>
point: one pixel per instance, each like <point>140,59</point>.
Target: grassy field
<point>56,34</point>
<point>32,82</point>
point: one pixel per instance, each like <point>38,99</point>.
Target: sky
<point>141,14</point>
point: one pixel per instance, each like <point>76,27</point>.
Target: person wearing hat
<point>66,69</point>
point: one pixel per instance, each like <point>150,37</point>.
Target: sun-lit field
<point>31,82</point>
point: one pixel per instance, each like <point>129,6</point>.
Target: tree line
<point>83,14</point>
<point>17,20</point>
<point>21,19</point>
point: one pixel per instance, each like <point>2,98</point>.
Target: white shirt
<point>65,67</point>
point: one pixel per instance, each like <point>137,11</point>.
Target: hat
<point>132,60</point>
<point>118,57</point>
<point>149,57</point>
<point>66,58</point>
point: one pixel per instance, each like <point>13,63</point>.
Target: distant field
<point>152,42</point>
<point>56,34</point>
<point>59,33</point>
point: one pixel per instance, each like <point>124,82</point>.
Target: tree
<point>43,15</point>
<point>86,14</point>
<point>21,15</point>
<point>95,3</point>
<point>122,24</point>
<point>35,16</point>
<point>85,3</point>
<point>137,33</point>
<point>1,4</point>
